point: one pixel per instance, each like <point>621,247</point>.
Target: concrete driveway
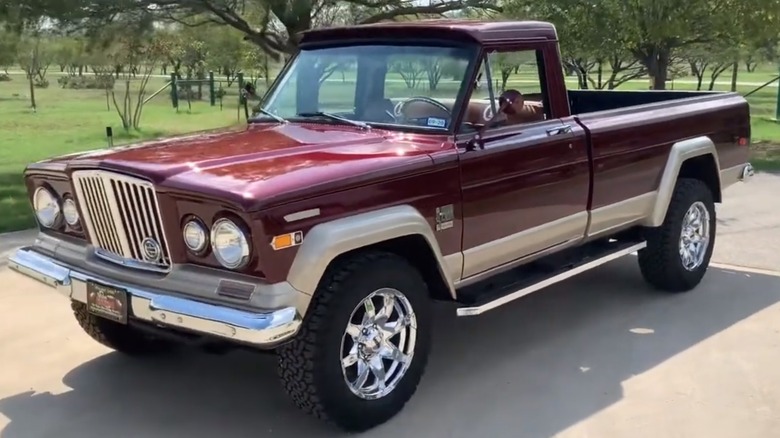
<point>601,355</point>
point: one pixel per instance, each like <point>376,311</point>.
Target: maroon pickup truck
<point>389,166</point>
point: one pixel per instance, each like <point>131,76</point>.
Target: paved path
<point>598,356</point>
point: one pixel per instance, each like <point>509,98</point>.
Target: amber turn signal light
<point>283,241</point>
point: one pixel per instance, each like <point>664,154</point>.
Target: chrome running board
<point>527,280</point>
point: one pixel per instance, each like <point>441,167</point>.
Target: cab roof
<point>478,31</point>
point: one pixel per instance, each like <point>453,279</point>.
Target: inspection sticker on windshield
<point>437,122</point>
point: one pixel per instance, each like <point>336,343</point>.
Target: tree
<point>274,25</point>
<point>587,50</point>
<point>69,53</point>
<point>146,55</point>
<point>651,31</point>
<point>433,69</point>
<point>34,58</point>
<point>226,48</point>
<point>410,69</point>
<point>255,61</point>
<point>8,49</point>
<point>703,58</point>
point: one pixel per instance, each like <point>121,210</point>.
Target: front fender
<point>326,241</point>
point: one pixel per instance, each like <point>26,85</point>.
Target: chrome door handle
<point>565,129</point>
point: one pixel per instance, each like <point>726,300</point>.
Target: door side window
<point>511,83</point>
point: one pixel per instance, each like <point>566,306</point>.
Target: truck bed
<point>589,101</point>
<point>629,135</point>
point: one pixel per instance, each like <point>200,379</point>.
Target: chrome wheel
<point>695,236</point>
<point>378,345</point>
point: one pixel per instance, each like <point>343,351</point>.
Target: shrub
<point>4,77</point>
<point>41,83</point>
<point>87,82</point>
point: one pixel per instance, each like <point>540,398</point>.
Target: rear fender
<point>680,153</point>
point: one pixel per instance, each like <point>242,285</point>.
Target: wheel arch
<point>692,158</point>
<point>401,230</point>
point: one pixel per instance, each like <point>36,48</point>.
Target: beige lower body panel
<point>731,176</point>
<point>505,250</point>
<point>613,218</point>
<point>493,257</point>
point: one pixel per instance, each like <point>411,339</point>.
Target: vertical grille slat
<point>105,213</point>
<point>97,212</point>
<point>134,235</point>
<point>121,215</point>
<point>142,220</point>
<point>155,222</point>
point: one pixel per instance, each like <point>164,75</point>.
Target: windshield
<point>397,86</point>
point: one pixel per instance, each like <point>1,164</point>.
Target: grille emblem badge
<point>151,250</point>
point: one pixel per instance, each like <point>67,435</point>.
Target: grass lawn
<point>75,120</point>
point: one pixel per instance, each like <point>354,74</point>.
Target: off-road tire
<point>122,338</point>
<point>310,368</point>
<point>660,263</point>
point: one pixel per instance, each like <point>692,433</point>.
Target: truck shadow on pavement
<point>530,369</point>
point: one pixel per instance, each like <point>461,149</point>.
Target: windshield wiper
<point>269,114</point>
<point>361,125</point>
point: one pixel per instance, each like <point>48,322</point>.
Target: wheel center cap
<point>371,341</point>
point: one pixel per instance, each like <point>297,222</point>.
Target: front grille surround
<point>122,218</point>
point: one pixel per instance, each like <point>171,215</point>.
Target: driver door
<point>527,190</point>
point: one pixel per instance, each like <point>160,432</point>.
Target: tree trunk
<point>734,73</point>
<point>267,70</point>
<point>32,93</point>
<point>656,61</point>
<point>599,75</point>
<point>661,72</point>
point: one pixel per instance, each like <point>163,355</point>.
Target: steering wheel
<point>399,108</point>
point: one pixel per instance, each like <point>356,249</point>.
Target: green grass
<point>75,120</point>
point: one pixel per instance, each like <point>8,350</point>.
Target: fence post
<point>777,103</point>
<point>212,91</point>
<point>240,87</point>
<point>174,92</point>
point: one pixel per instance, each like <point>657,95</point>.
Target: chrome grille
<point>123,219</point>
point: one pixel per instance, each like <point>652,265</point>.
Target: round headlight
<point>47,210</point>
<point>229,244</point>
<point>194,236</point>
<point>70,212</point>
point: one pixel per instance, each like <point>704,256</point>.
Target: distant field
<point>75,120</point>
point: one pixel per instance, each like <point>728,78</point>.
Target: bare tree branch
<point>433,9</point>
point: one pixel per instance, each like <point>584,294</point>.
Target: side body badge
<point>445,217</point>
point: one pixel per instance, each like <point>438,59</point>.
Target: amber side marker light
<point>283,241</point>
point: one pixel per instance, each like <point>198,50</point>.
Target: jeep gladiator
<point>388,166</point>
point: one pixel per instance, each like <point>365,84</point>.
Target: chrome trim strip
<point>301,215</point>
<point>478,310</point>
<point>261,329</point>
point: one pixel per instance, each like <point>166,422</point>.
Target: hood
<point>264,164</point>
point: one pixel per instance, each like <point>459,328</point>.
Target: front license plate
<point>107,302</point>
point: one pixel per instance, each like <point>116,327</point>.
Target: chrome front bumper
<point>258,329</point>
